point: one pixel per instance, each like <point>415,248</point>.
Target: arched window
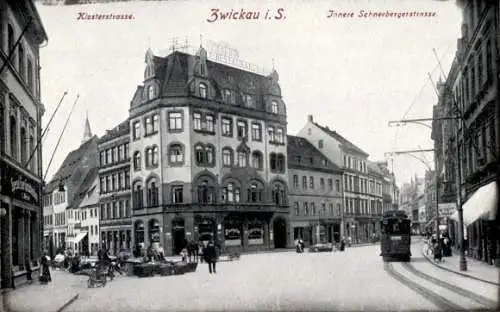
<point>274,107</point>
<point>2,127</point>
<point>176,154</point>
<point>20,57</point>
<point>227,157</point>
<point>257,160</point>
<point>149,156</point>
<point>231,193</point>
<point>205,193</point>
<point>279,194</point>
<point>137,198</point>
<point>13,137</point>
<point>209,151</point>
<point>254,192</point>
<point>242,159</point>
<point>154,156</point>
<point>151,92</point>
<point>137,160</point>
<point>203,90</point>
<point>199,154</point>
<point>153,194</point>
<point>24,150</point>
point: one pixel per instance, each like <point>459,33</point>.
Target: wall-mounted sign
<point>25,189</point>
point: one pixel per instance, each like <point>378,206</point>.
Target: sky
<point>353,74</point>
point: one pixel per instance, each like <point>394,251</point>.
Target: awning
<point>481,204</point>
<point>79,237</point>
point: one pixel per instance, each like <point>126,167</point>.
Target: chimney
<point>310,118</point>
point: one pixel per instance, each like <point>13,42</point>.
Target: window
<point>311,182</point>
<point>121,179</point>
<point>199,154</point>
<point>20,56</point>
<point>227,127</point>
<point>304,182</point>
<point>205,193</point>
<point>306,209</point>
<point>230,193</point>
<point>120,153</point>
<point>137,200</point>
<point>197,121</point>
<point>257,160</point>
<point>273,162</point>
<point>295,180</point>
<point>209,123</point>
<point>31,78</point>
<point>254,193</point>
<point>271,132</point>
<point>149,156</point>
<point>154,156</point>
<point>323,209</point>
<point>278,193</point>
<point>320,143</point>
<point>137,160</point>
<point>227,157</point>
<point>274,107</point>
<point>241,127</point>
<point>209,152</point>
<point>151,92</point>
<point>175,121</point>
<point>337,185</point>
<point>156,124</point>
<point>10,42</point>
<point>137,130</point>
<point>322,183</point>
<point>256,132</point>
<point>125,150</point>
<point>248,100</point>
<point>228,96</point>
<point>177,192</point>
<point>277,162</point>
<point>24,149</point>
<point>280,137</point>
<point>176,154</point>
<point>153,198</point>
<point>127,179</point>
<point>296,208</point>
<point>203,90</point>
<point>242,159</point>
<point>114,157</point>
<point>13,137</point>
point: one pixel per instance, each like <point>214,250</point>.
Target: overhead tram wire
<point>60,137</point>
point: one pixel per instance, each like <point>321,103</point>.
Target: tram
<point>395,241</point>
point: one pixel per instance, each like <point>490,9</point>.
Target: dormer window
<point>151,92</point>
<point>274,107</point>
<point>203,90</point>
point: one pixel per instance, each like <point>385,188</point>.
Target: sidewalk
<point>52,297</point>
<point>475,269</point>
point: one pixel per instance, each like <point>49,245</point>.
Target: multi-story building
<point>315,194</point>
<point>87,240</point>
<point>411,194</point>
<point>21,114</point>
<point>208,147</point>
<point>389,189</point>
<point>361,187</point>
<point>115,197</point>
<point>62,193</point>
<point>470,93</point>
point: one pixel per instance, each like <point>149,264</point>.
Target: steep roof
<point>346,144</point>
<point>298,146</point>
<point>90,181</point>
<point>70,164</point>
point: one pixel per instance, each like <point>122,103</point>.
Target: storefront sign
<point>25,189</point>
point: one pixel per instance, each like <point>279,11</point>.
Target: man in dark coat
<point>210,255</point>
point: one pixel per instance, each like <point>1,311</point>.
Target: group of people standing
<point>201,252</point>
<point>439,246</point>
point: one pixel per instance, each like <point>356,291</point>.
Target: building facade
<point>62,195</point>
<point>208,148</point>
<point>21,113</point>
<point>470,93</point>
<point>362,190</point>
<point>115,196</point>
<point>315,194</point>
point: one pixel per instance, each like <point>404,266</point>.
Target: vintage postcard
<point>249,155</point>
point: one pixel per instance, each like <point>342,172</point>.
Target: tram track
<point>458,290</point>
<point>441,302</point>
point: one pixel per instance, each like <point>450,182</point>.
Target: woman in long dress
<point>45,271</point>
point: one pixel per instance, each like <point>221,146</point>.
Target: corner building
<point>208,148</point>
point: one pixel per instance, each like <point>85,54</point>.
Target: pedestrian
<point>44,270</point>
<point>210,255</point>
<point>349,241</point>
<point>28,271</point>
<point>342,244</point>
